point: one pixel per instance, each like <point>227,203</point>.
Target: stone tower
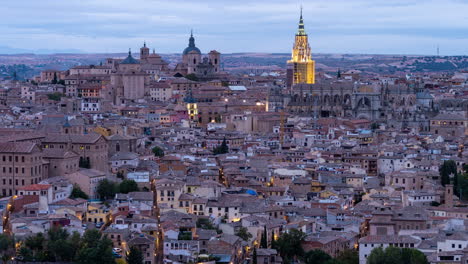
<point>215,59</point>
<point>301,67</point>
<point>144,52</point>
<point>191,55</point>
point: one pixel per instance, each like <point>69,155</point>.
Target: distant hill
<point>27,64</point>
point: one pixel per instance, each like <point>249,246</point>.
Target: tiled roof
<point>35,187</point>
<point>17,147</point>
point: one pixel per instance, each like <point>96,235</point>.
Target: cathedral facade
<point>396,104</point>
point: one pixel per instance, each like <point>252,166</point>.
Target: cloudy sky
<point>334,26</point>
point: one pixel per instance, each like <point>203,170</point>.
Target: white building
<point>368,243</point>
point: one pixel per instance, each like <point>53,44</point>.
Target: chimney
<point>448,195</point>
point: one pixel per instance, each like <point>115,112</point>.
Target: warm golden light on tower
<point>301,63</point>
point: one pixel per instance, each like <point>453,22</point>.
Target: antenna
<point>437,50</point>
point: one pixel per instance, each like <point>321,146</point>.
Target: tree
<point>289,244</point>
<point>448,167</point>
<point>127,186</point>
<point>106,189</point>
<point>338,74</point>
<point>254,256</point>
<point>59,246</point>
<point>7,247</point>
<point>205,223</point>
<point>55,96</point>
<point>316,256</point>
<point>158,152</point>
<point>396,255</point>
<point>35,244</point>
<point>244,234</point>
<point>54,81</point>
<point>221,149</point>
<point>26,254</point>
<point>348,257</point>
<point>120,175</point>
<point>191,77</point>
<point>95,249</point>
<point>264,238</point>
<point>78,193</point>
<point>134,256</point>
<point>462,186</point>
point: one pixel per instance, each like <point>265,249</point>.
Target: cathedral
<point>130,77</point>
<point>205,68</point>
<point>391,102</point>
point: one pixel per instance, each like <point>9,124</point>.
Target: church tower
<point>301,67</point>
<point>144,52</point>
<point>191,56</point>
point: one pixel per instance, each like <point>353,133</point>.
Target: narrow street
<point>158,247</point>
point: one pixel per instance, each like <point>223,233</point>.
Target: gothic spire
<point>301,31</point>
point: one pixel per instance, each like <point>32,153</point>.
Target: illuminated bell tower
<point>301,67</point>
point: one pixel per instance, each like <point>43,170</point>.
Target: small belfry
<point>301,67</point>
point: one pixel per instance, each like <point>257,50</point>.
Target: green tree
<point>7,247</point>
<point>244,234</point>
<point>95,249</point>
<point>254,256</point>
<point>55,96</point>
<point>106,189</point>
<point>35,244</point>
<point>205,223</point>
<point>393,255</point>
<point>316,256</point>
<point>158,152</point>
<point>192,77</point>
<point>120,175</point>
<point>448,167</point>
<point>348,257</point>
<point>26,254</point>
<point>54,81</point>
<point>462,186</point>
<point>264,238</point>
<point>59,246</point>
<point>187,235</point>
<point>134,256</point>
<point>289,244</point>
<point>221,149</point>
<point>78,193</point>
<point>127,186</point>
<point>338,74</point>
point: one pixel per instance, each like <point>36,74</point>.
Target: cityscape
<point>252,156</point>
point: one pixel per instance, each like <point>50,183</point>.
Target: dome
<point>130,60</point>
<point>191,47</point>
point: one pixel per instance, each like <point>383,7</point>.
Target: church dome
<point>191,47</point>
<point>130,59</point>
